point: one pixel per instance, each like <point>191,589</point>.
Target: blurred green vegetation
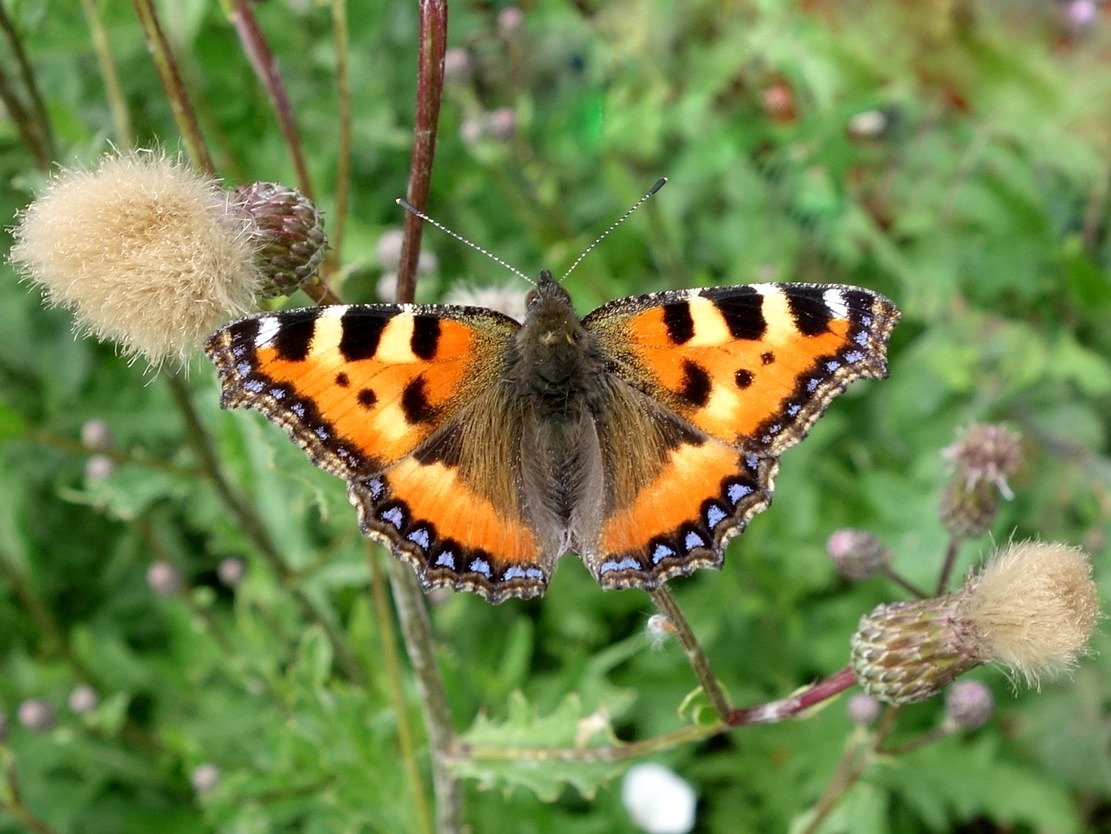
<point>952,155</point>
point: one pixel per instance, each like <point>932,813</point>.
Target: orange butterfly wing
<point>748,369</point>
<point>388,397</point>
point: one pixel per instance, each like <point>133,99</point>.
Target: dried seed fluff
<point>144,250</point>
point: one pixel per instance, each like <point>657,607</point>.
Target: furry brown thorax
<point>556,355</point>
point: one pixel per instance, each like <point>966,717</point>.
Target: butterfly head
<point>552,338</point>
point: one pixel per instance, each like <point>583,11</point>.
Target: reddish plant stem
<point>412,608</point>
<point>947,565</point>
<point>266,68</point>
<point>430,83</point>
<point>343,150</point>
<point>796,704</point>
<point>769,713</point>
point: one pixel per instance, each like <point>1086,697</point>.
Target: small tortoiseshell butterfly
<point>480,449</point>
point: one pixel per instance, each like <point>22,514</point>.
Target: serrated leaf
<point>525,735</point>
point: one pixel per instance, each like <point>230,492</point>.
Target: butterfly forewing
<point>386,396</point>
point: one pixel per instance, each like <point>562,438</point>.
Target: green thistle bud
<point>289,234</point>
<point>857,554</point>
<point>969,510</point>
<point>909,651</point>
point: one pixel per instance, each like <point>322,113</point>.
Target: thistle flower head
<point>968,705</point>
<point>146,252</point>
<point>983,457</point>
<point>36,714</point>
<point>1032,609</point>
<point>83,699</point>
<point>986,453</point>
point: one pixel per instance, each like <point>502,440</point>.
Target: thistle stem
<point>168,73</point>
<point>266,68</point>
<point>253,527</point>
<point>696,655</point>
<point>416,627</point>
<point>430,83</point>
<point>343,151</point>
<point>117,103</point>
<point>386,636</point>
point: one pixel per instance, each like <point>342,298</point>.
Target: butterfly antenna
<point>660,183</point>
<point>409,207</point>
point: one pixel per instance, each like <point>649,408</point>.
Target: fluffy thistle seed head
<point>1034,608</point>
<point>146,252</point>
<point>505,298</point>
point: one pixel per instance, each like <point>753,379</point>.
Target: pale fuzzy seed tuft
<point>506,299</point>
<point>1034,608</point>
<point>146,252</point>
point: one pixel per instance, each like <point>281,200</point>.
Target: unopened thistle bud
<point>147,252</point>
<point>863,709</point>
<point>983,457</point>
<point>36,715</point>
<point>1032,609</point>
<point>968,705</point>
<point>857,554</point>
<point>288,232</point>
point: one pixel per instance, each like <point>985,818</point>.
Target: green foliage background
<point>981,208</point>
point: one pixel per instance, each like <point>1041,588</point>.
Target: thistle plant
<point>150,252</point>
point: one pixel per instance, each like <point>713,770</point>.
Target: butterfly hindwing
<point>381,395</point>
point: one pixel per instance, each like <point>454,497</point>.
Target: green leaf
<point>524,735</point>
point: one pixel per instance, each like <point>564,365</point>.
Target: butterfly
<point>480,448</point>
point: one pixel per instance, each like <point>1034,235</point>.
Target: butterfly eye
<point>530,299</point>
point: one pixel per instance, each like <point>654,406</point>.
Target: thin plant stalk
<point>947,565</point>
<point>343,151</point>
<point>412,610</point>
<point>696,655</point>
<point>41,123</point>
<point>11,799</point>
<point>430,84</point>
<point>416,627</point>
<point>21,117</point>
<point>254,528</point>
<point>117,104</point>
<point>855,762</point>
<point>392,665</point>
<point>172,83</point>
<point>266,68</point>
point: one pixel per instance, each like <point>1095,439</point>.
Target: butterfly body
<point>480,449</point>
